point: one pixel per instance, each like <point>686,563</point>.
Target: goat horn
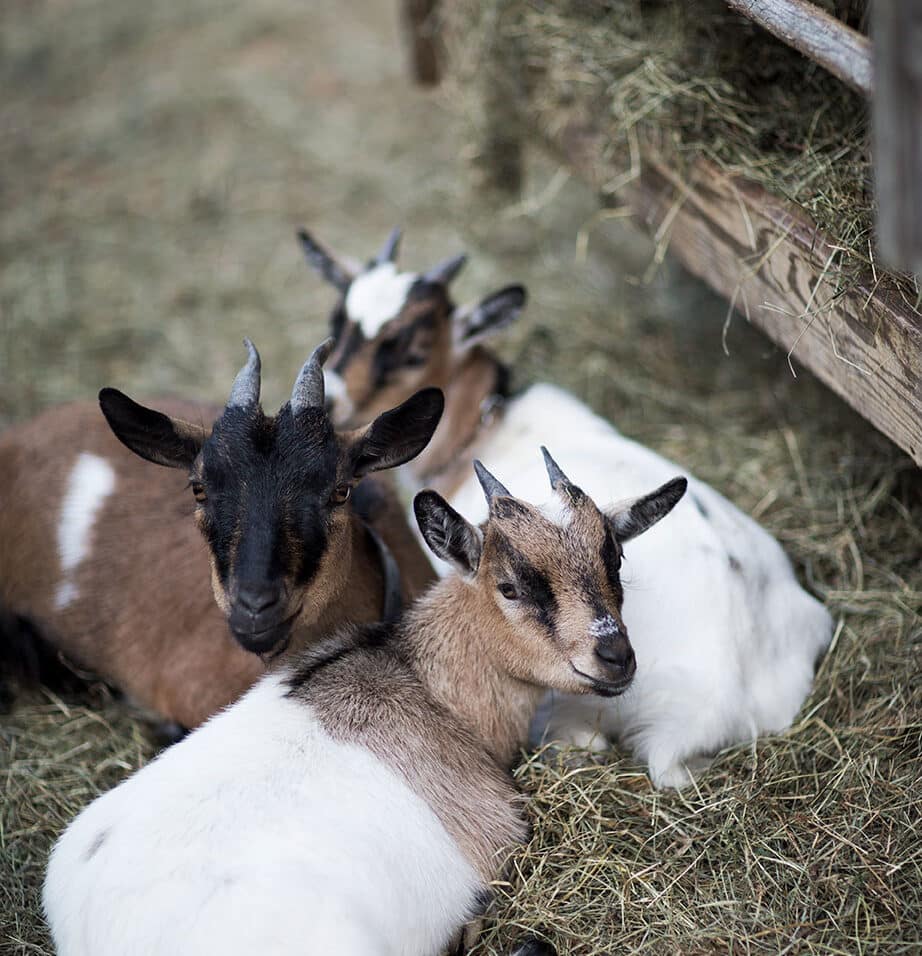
<point>559,481</point>
<point>445,271</point>
<point>245,390</point>
<point>388,251</point>
<point>308,389</point>
<point>323,262</point>
<point>491,487</point>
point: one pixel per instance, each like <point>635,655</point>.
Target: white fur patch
<point>92,480</point>
<point>603,626</point>
<point>375,297</point>
<point>258,833</point>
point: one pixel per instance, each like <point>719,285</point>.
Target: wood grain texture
<point>817,34</point>
<point>777,269</point>
<point>897,119</point>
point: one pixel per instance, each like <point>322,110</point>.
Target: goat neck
<point>474,396</point>
<point>453,636</point>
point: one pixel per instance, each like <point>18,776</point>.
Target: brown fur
<point>143,617</point>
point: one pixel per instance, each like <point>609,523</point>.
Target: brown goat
<point>101,562</point>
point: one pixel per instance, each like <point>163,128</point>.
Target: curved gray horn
<point>388,251</point>
<point>445,271</point>
<point>491,487</point>
<point>308,387</point>
<point>245,390</point>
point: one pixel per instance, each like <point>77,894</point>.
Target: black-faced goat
<point>103,560</point>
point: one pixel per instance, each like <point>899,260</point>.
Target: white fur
<point>258,834</point>
<point>376,296</point>
<point>91,481</point>
<point>722,654</point>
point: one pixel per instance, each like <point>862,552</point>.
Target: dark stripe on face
<point>611,561</point>
<point>534,586</point>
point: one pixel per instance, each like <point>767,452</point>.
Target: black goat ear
<point>151,434</point>
<point>398,435</point>
<point>473,323</point>
<point>449,536</point>
<point>634,517</point>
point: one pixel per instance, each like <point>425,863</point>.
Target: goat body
<point>727,640</point>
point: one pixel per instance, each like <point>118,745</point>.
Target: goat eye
<point>198,491</point>
<point>508,591</point>
<point>341,494</point>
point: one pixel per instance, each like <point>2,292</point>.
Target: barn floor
<point>155,161</point>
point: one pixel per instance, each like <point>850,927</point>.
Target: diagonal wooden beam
<point>817,34</point>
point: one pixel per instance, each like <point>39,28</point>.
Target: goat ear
<point>327,265</point>
<point>152,435</point>
<point>473,323</point>
<point>634,517</point>
<point>399,434</point>
<point>448,535</point>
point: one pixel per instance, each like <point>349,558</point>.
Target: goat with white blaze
<point>358,800</point>
<point>102,561</point>
<point>726,642</point>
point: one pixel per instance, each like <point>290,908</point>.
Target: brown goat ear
<point>634,517</point>
<point>449,536</point>
<point>496,311</point>
<point>398,435</point>
<point>150,434</point>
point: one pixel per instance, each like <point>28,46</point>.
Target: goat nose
<point>618,654</point>
<point>256,599</point>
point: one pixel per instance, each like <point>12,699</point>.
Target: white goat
<point>726,645</point>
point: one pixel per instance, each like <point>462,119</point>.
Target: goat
<point>102,560</point>
<point>357,800</point>
<point>726,652</point>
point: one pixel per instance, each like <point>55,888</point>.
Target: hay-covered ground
<point>154,163</point>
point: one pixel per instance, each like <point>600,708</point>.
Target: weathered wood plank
<point>897,120</point>
<point>774,265</point>
<point>818,35</point>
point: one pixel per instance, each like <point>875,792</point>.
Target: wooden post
<point>897,120</point>
<point>818,35</point>
<point>420,29</point>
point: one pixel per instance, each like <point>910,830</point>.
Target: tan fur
<point>144,618</point>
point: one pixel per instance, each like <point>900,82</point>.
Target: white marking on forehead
<point>603,626</point>
<point>376,296</point>
<point>91,481</point>
<point>556,511</point>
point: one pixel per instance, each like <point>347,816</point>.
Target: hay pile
<point>680,81</point>
<point>151,249</point>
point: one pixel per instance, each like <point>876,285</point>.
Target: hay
<point>682,81</point>
<point>807,843</point>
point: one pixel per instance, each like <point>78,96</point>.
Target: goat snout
<point>258,599</point>
<point>617,655</point>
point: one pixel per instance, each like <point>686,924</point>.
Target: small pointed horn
<point>388,251</point>
<point>445,271</point>
<point>553,470</point>
<point>308,388</point>
<point>245,390</point>
<point>323,262</point>
<point>491,487</point>
<point>559,481</point>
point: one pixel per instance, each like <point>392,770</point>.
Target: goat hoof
<point>534,947</point>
